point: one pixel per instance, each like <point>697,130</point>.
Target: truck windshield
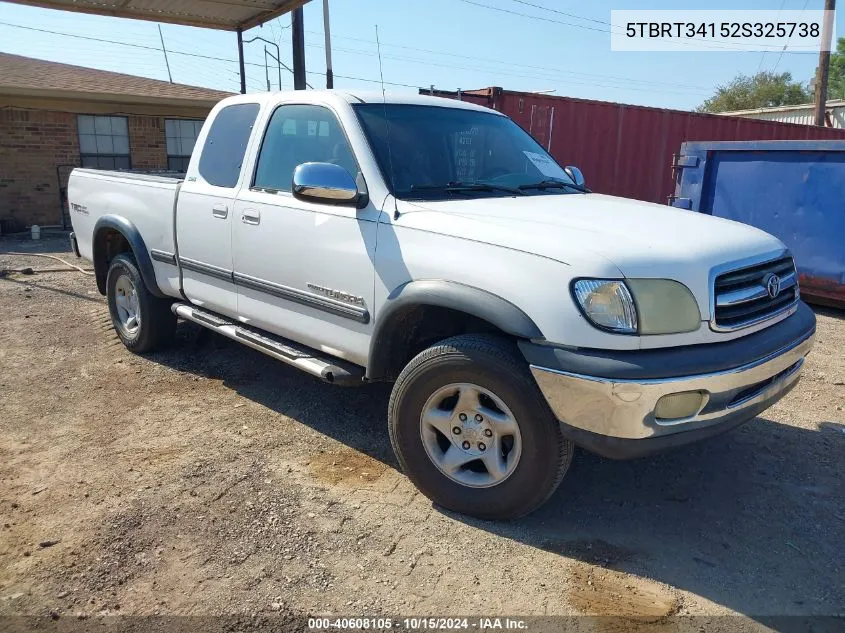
<point>439,152</point>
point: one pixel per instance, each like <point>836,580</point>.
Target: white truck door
<point>205,209</point>
<point>304,270</point>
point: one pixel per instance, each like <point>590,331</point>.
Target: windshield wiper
<point>555,184</point>
<point>463,187</point>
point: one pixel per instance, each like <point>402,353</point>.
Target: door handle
<point>220,211</point>
<point>251,216</point>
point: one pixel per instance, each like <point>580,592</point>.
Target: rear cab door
<point>205,206</point>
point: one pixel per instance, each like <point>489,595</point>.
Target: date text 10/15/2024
<point>417,624</point>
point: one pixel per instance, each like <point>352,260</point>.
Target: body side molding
<point>163,256</point>
<point>309,299</point>
<point>206,269</point>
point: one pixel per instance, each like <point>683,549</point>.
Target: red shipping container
<point>626,150</point>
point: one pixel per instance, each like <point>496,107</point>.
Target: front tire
<point>472,431</point>
<point>143,322</point>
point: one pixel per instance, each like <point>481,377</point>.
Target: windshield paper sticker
<point>546,165</point>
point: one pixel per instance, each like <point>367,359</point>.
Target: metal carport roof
<point>230,15</point>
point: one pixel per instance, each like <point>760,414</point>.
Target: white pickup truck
<point>435,244</point>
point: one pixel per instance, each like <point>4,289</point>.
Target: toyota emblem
<point>773,285</point>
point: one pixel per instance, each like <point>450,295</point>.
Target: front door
<point>304,270</point>
<point>205,209</point>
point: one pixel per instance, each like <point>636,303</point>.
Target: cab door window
<point>300,134</point>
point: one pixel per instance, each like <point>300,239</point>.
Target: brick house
<point>54,117</point>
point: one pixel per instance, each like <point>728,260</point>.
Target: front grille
<point>742,296</point>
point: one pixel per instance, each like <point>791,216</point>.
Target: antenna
<point>164,50</point>
<point>387,124</point>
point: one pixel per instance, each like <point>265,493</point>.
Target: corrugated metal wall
<point>800,116</point>
<point>626,150</point>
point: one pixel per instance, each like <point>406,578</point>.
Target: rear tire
<point>143,322</point>
<point>470,401</point>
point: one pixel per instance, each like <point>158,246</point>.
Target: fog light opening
<point>678,406</point>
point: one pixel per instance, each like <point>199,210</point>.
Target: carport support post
<point>298,37</point>
<point>241,60</point>
<point>328,35</point>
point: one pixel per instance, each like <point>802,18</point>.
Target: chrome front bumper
<point>625,409</point>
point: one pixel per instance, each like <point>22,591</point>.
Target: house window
<point>104,141</point>
<point>181,136</point>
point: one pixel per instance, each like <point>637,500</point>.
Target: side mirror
<point>326,183</point>
<point>575,174</point>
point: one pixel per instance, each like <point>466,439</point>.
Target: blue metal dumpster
<point>794,190</point>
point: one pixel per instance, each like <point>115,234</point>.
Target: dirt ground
<point>210,479</point>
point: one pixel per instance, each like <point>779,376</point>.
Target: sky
<point>555,45</point>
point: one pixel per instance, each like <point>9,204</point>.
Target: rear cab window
<point>224,150</point>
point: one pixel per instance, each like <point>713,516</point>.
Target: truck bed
<point>148,198</point>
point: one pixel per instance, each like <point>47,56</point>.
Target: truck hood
<point>599,235</point>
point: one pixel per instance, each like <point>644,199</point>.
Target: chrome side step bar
<point>334,371</point>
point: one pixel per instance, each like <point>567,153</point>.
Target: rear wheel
<point>143,322</point>
<point>472,431</point>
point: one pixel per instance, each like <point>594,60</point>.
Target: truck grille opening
<point>753,294</point>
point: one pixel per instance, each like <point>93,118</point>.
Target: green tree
<point>836,83</point>
<point>763,90</point>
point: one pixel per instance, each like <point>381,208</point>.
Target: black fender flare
<point>139,250</point>
<point>445,294</point>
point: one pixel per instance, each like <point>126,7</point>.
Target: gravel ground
<point>210,479</point>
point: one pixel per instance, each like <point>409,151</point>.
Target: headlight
<point>638,306</point>
<point>608,304</point>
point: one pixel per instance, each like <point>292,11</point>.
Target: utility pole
<point>328,33</point>
<point>823,72</point>
<point>298,37</point>
<point>164,50</point>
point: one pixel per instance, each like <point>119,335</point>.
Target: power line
<point>258,65</point>
<point>174,52</point>
<point>371,81</point>
<point>555,73</point>
<point>763,56</point>
<point>650,82</point>
<point>785,46</point>
<point>535,17</point>
<point>514,73</point>
<point>196,68</point>
<point>107,41</point>
<point>554,76</point>
<point>570,15</point>
<point>689,42</point>
<point>551,73</point>
<point>153,69</point>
